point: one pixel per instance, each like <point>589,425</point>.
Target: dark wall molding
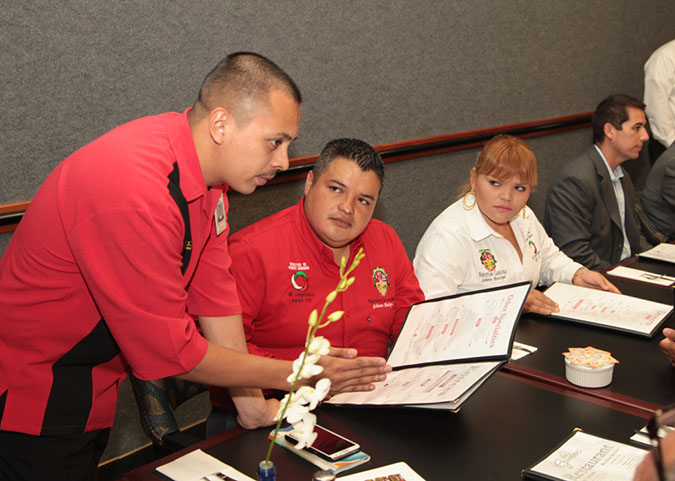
<point>11,214</point>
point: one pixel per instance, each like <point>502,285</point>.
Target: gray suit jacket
<point>658,196</point>
<point>582,215</point>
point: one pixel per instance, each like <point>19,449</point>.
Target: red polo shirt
<point>100,276</point>
<point>283,272</point>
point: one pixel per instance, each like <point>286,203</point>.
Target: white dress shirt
<point>616,175</point>
<point>660,93</point>
<point>460,252</point>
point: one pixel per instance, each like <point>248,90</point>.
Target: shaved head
<point>241,83</point>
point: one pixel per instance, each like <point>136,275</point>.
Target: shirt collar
<point>479,228</point>
<point>615,174</point>
<point>191,177</point>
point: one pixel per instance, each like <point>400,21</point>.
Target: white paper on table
<point>520,350</point>
<point>402,469</point>
<point>197,465</point>
<point>607,309</point>
<point>642,439</point>
<point>662,252</point>
<point>422,386</point>
<point>644,276</point>
<point>642,436</point>
<point>586,457</point>
<point>470,326</point>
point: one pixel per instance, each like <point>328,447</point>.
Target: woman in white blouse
<point>489,237</point>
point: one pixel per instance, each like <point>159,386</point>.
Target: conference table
<point>514,419</point>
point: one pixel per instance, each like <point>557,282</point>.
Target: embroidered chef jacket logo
<point>300,281</point>
<point>381,280</point>
<point>533,246</point>
<point>488,260</point>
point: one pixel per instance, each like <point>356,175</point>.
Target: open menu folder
<point>608,309</point>
<point>662,252</point>
<point>447,348</point>
<point>585,457</point>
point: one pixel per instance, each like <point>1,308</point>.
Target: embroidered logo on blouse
<point>300,281</point>
<point>381,280</point>
<point>533,246</point>
<point>488,259</point>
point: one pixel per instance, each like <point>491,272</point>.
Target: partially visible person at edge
<point>590,206</point>
<point>659,97</point>
<point>489,237</point>
<point>667,344</point>
<point>288,262</point>
<point>658,196</point>
<point>647,470</point>
<point>123,243</point>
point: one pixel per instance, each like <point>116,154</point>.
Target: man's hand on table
<point>348,372</point>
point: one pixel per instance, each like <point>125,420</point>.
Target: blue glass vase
<point>266,471</point>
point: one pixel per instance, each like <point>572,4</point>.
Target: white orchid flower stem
<point>311,332</point>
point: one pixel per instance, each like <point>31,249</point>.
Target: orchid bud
<point>331,297</point>
<point>313,318</point>
<point>337,315</point>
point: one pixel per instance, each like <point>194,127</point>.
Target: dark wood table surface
<point>506,426</point>
<point>513,420</point>
<point>644,377</point>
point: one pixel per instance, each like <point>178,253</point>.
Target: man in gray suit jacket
<point>590,205</point>
<point>658,196</point>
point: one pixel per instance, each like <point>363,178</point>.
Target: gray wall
<point>384,71</point>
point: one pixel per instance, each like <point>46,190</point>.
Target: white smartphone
<point>328,445</point>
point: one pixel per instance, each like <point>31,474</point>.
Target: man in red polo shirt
<point>287,263</point>
<point>123,243</point>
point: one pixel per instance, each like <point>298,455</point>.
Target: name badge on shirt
<point>220,216</point>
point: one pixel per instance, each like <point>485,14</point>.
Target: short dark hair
<point>243,79</point>
<point>613,110</point>
<point>358,151</point>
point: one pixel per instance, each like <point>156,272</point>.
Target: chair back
<point>653,235</point>
<point>156,402</point>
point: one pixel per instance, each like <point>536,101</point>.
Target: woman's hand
<point>594,280</point>
<point>538,303</point>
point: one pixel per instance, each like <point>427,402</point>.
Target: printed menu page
<point>393,472</point>
<point>662,252</point>
<point>437,386</point>
<point>447,348</point>
<point>584,457</point>
<point>608,309</point>
<point>468,326</point>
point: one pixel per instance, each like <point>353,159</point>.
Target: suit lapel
<point>632,231</point>
<point>606,186</point>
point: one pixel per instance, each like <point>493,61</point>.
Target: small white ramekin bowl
<point>585,376</point>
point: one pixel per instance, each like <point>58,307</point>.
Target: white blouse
<point>460,252</point>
